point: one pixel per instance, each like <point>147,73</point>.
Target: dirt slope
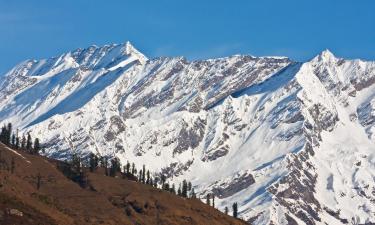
<point>108,201</point>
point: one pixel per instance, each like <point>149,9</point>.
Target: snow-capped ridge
<point>325,56</point>
<point>131,50</point>
<point>206,120</point>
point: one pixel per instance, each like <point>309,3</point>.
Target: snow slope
<point>291,142</point>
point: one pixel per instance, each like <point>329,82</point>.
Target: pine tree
<point>192,193</point>
<point>115,166</point>
<point>166,187</point>
<point>23,142</point>
<point>93,162</point>
<point>105,165</point>
<point>76,164</point>
<point>83,178</point>
<point>235,210</point>
<point>36,146</point>
<point>184,189</point>
<point>127,168</point>
<point>29,143</point>
<point>13,140</point>
<point>163,179</point>
<point>189,186</point>
<point>9,133</point>
<point>213,200</point>
<point>148,177</point>
<point>17,142</point>
<point>179,190</point>
<point>208,199</point>
<point>140,176</point>
<point>226,210</point>
<point>3,134</point>
<point>144,174</point>
<point>173,189</point>
<point>133,169</point>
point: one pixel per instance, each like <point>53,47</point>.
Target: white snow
<point>246,115</point>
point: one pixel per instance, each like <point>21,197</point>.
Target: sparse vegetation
<point>77,167</point>
<point>11,139</point>
<point>235,210</point>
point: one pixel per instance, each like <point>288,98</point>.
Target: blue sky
<point>196,29</point>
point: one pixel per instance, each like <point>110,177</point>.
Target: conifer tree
<point>192,193</point>
<point>17,142</point>
<point>105,165</point>
<point>179,190</point>
<point>23,142</point>
<point>144,174</point>
<point>148,177</point>
<point>76,164</point>
<point>127,168</point>
<point>140,176</point>
<point>115,166</point>
<point>133,169</point>
<point>208,199</point>
<point>93,162</point>
<point>173,189</point>
<point>235,210</point>
<point>83,178</point>
<point>213,200</point>
<point>101,161</point>
<point>9,133</point>
<point>163,179</point>
<point>184,189</point>
<point>3,134</point>
<point>189,186</point>
<point>166,187</point>
<point>36,146</point>
<point>13,140</point>
<point>29,143</point>
<point>226,210</point>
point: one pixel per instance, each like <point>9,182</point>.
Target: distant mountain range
<point>291,142</point>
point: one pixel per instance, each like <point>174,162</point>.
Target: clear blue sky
<point>195,28</point>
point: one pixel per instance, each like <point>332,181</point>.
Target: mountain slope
<point>108,200</point>
<point>255,130</point>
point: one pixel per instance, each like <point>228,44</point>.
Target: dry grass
<point>108,201</point>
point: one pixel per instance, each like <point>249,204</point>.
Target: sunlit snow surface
<point>220,123</point>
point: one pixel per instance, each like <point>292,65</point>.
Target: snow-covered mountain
<point>292,143</point>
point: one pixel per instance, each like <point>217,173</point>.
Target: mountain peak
<point>326,56</point>
<point>131,50</point>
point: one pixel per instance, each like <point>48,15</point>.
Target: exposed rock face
<point>329,164</point>
<point>292,143</point>
<point>228,187</point>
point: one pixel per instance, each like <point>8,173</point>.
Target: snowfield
<point>291,142</point>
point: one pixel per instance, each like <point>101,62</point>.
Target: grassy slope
<point>114,200</point>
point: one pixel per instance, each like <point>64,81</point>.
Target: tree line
<point>77,168</point>
<point>25,143</point>
<point>12,140</point>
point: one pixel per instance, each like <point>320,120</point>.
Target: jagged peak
<point>131,50</point>
<point>325,56</point>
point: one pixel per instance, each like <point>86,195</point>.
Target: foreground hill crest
<point>252,130</point>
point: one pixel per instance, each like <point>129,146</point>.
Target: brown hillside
<point>108,201</point>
